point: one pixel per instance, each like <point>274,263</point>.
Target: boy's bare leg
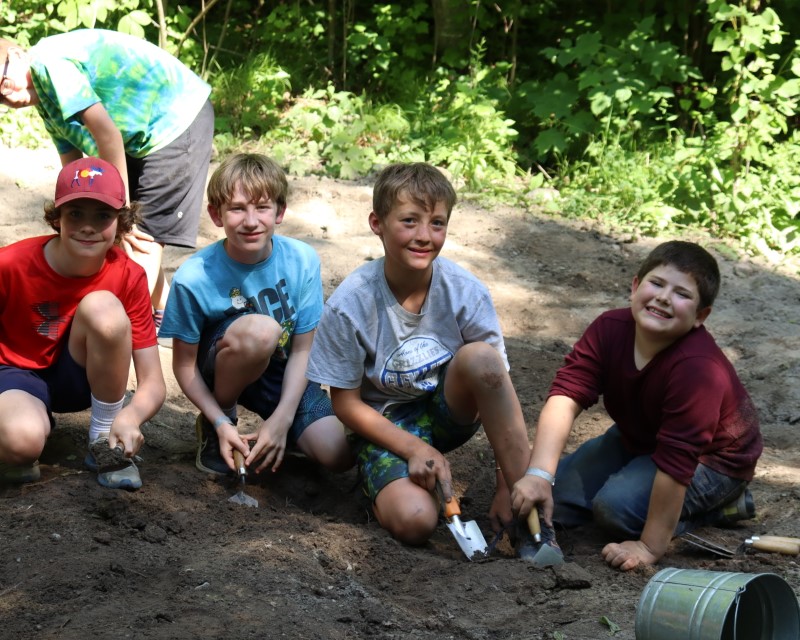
<point>478,385</point>
<point>243,354</point>
<point>325,442</point>
<point>24,427</point>
<point>100,341</point>
<point>151,263</point>
<point>407,511</point>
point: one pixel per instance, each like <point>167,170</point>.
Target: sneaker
<point>208,457</point>
<point>743,508</point>
<point>19,473</point>
<point>114,470</point>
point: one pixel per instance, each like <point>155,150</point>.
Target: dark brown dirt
<point>177,560</point>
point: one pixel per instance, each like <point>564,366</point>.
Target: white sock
<point>103,414</point>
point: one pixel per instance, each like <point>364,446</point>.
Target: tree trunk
<point>452,30</point>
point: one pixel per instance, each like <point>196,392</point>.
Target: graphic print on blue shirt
<point>414,366</point>
<point>274,302</point>
<point>269,302</point>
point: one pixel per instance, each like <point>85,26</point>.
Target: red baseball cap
<point>91,178</point>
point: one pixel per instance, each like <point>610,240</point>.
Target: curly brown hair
<point>126,218</point>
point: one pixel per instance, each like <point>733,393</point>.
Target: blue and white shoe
<point>114,470</point>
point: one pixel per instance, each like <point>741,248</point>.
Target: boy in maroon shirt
<point>686,438</point>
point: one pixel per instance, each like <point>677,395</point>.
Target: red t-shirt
<point>686,406</point>
<point>37,304</point>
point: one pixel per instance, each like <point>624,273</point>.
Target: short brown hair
<point>128,216</point>
<point>421,182</point>
<point>690,258</point>
<point>257,175</point>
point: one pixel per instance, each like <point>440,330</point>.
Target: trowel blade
<point>471,541</point>
<point>243,498</point>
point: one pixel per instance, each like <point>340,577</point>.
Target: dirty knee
<point>412,528</point>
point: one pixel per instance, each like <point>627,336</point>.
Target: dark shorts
<point>263,395</point>
<point>430,420</point>
<point>62,387</point>
<point>170,183</point>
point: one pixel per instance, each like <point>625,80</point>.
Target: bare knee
<point>409,516</point>
<point>325,442</point>
<point>252,335</point>
<point>103,315</point>
<point>24,427</point>
<point>482,365</point>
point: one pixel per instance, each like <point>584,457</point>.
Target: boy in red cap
<point>74,310</point>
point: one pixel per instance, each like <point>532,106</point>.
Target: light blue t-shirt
<point>209,287</point>
<point>151,96</point>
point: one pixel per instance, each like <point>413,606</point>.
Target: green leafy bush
<point>249,98</point>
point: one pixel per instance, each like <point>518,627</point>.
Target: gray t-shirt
<point>366,339</point>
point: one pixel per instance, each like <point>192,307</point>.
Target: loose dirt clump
<point>177,560</point>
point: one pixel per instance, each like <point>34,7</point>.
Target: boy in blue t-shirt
<point>242,314</point>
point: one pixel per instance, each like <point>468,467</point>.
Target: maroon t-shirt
<point>686,406</point>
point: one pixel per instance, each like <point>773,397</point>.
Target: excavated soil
<point>177,560</point>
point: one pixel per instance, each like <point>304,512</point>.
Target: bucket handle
<point>739,592</point>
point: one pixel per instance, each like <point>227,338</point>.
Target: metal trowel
<point>467,534</point>
<point>241,471</point>
<point>544,554</point>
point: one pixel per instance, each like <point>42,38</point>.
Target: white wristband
<point>541,473</point>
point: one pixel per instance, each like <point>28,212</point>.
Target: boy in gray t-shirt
<point>411,348</point>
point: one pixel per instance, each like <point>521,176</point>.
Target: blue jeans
<point>600,481</point>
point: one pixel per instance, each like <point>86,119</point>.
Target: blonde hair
<point>255,174</point>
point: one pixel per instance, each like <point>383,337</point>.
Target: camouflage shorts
<point>430,420</point>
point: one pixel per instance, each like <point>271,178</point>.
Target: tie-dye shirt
<point>150,95</point>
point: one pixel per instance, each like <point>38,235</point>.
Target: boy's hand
<point>125,433</point>
<point>229,439</point>
<point>500,514</point>
<point>137,240</point>
<point>530,491</point>
<point>426,465</point>
<point>629,555</point>
<point>270,443</point>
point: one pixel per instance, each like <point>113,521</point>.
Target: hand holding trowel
<point>467,534</point>
<point>241,471</point>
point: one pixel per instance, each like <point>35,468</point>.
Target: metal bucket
<point>716,605</point>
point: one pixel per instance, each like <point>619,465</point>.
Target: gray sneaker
<point>114,470</point>
<point>743,508</point>
<point>19,473</point>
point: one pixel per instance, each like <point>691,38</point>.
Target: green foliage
<point>654,116</point>
<point>340,134</point>
<point>740,178</point>
<point>461,126</point>
<point>613,627</point>
<point>249,98</point>
<point>623,86</point>
<point>27,21</point>
<point>388,54</point>
<point>296,37</point>
<point>22,128</point>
